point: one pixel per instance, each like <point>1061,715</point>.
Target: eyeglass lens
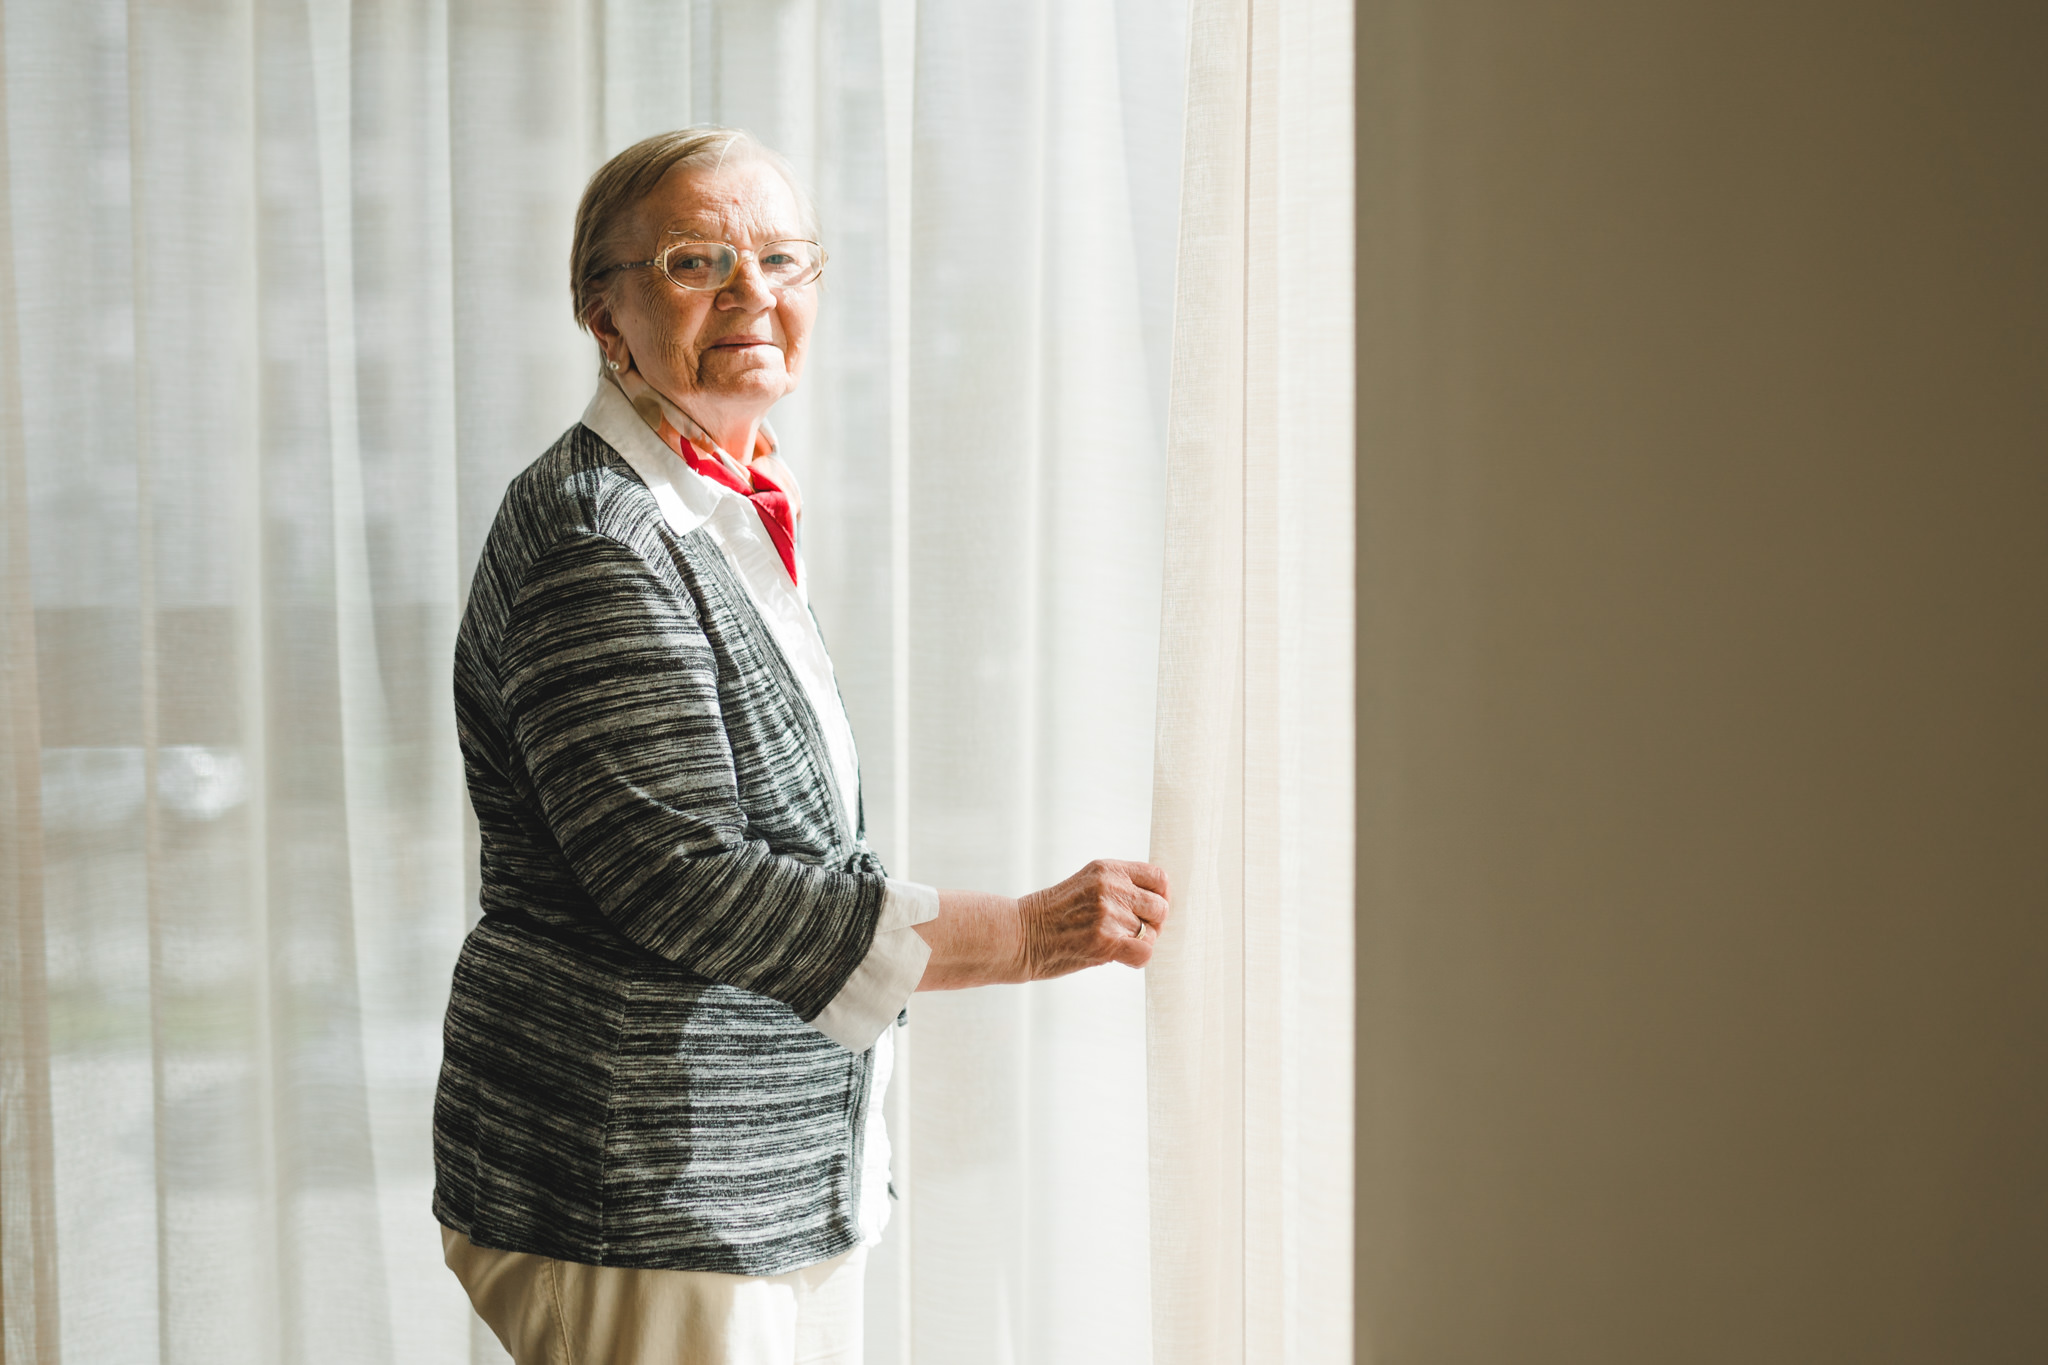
<point>709,265</point>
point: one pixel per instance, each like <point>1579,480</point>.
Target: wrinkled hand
<point>1109,911</point>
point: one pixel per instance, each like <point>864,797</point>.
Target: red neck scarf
<point>772,493</point>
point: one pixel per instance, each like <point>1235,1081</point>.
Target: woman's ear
<point>609,339</point>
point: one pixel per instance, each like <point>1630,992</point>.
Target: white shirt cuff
<point>883,982</point>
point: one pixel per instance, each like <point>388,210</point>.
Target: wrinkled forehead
<point>744,201</point>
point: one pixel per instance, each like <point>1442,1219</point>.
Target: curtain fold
<point>28,1243</point>
<point>1248,999</point>
<point>283,306</point>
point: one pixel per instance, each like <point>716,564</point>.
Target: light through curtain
<point>282,310</point>
<point>1250,998</point>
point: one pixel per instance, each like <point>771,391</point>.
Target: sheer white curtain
<point>281,310</point>
<point>1250,994</point>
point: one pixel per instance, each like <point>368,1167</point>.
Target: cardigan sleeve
<point>883,982</point>
<point>611,694</point>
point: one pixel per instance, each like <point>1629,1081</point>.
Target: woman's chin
<point>755,371</point>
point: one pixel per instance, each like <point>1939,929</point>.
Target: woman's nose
<point>747,289</point>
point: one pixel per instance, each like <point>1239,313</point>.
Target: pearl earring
<point>613,363</point>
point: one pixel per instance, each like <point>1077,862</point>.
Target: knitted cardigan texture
<point>669,891</point>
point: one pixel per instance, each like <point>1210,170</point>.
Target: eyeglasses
<point>706,267</point>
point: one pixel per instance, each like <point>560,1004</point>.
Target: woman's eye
<point>778,258</point>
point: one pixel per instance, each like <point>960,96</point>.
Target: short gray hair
<point>621,183</point>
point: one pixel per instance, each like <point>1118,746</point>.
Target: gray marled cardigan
<point>669,891</point>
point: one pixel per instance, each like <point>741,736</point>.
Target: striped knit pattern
<point>669,891</point>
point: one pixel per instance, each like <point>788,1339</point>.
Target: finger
<point>1146,876</point>
<point>1135,952</point>
<point>1150,908</point>
<point>1121,917</point>
<point>1144,930</point>
<point>1138,909</point>
<point>1119,869</point>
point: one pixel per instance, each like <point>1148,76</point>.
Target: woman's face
<point>726,357</point>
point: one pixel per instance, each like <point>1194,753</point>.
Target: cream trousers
<point>549,1312</point>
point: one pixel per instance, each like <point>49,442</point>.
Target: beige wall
<point>1703,516</point>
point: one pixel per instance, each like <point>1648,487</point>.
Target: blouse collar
<point>687,499</point>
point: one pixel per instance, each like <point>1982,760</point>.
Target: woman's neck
<point>738,441</point>
<point>734,432</point>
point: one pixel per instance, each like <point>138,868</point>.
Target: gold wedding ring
<point>1139,932</point>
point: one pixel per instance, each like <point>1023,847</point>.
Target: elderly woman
<point>658,1135</point>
